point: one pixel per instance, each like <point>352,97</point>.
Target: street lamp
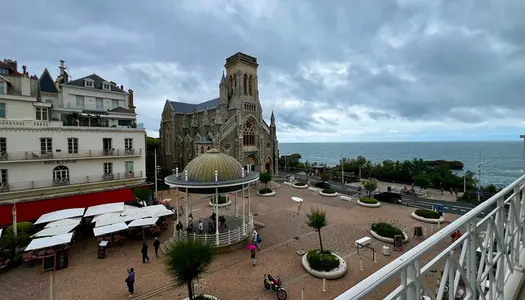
<point>300,202</point>
<point>157,168</point>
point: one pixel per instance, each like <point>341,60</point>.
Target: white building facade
<point>60,138</point>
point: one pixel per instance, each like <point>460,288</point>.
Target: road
<point>409,200</point>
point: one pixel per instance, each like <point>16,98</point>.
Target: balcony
<point>67,181</point>
<point>61,124</point>
<point>486,262</point>
<point>18,156</point>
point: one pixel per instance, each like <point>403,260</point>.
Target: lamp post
<point>342,170</point>
<point>479,178</point>
<point>157,168</point>
<point>300,202</point>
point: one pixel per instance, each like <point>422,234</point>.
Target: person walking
<point>144,253</point>
<point>130,281</point>
<point>258,241</point>
<point>156,245</point>
<point>252,255</point>
<point>201,227</point>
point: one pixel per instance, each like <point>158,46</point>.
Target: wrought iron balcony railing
<point>64,181</point>
<point>65,154</point>
<point>478,265</point>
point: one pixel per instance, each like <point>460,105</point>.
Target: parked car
<point>323,185</point>
<point>393,197</point>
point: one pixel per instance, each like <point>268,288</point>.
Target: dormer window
<point>106,86</point>
<point>89,83</point>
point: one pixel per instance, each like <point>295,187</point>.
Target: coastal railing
<point>226,237</point>
<point>66,181</point>
<point>39,155</point>
<point>484,263</point>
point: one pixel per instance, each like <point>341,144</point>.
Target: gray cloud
<point>403,60</point>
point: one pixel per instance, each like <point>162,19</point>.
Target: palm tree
<point>317,220</point>
<point>187,260</point>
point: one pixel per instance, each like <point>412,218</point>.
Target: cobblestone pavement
<point>231,275</point>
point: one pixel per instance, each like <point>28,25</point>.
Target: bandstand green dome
<point>202,168</point>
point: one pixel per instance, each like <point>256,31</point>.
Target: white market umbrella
<point>98,231</point>
<point>49,241</point>
<point>143,222</point>
<point>60,215</point>
<point>104,208</point>
<point>64,222</point>
<point>56,230</point>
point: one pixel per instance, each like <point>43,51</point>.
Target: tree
<point>421,181</point>
<point>361,161</point>
<point>187,260</point>
<point>370,186</point>
<point>317,220</point>
<point>265,177</point>
<point>325,176</point>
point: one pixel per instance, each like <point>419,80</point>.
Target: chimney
<point>24,68</point>
<point>131,104</point>
<point>63,74</point>
<point>13,64</point>
<point>121,87</point>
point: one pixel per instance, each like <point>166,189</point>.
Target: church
<point>232,123</point>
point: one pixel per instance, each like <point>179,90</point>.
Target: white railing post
<point>471,258</point>
<point>194,236</point>
<point>229,237</point>
<point>205,237</point>
<point>500,227</point>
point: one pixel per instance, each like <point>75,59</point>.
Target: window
<point>4,71</point>
<point>42,114</point>
<point>72,145</point>
<point>89,83</point>
<point>3,180</point>
<point>108,168</point>
<point>250,85</point>
<point>107,144</point>
<point>3,90</point>
<point>249,136</point>
<point>106,86</point>
<point>114,103</point>
<point>100,103</point>
<point>245,83</point>
<point>60,175</point>
<point>129,168</point>
<point>80,102</point>
<point>202,149</point>
<point>128,144</point>
<point>231,85</point>
<point>46,146</point>
<point>250,107</point>
<point>3,144</point>
<point>2,110</point>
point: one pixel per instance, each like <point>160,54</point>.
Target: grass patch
<point>322,261</point>
<point>265,191</point>
<point>427,213</point>
<point>329,191</point>
<point>368,200</point>
<point>387,230</point>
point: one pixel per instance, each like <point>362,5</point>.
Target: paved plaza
<point>231,276</point>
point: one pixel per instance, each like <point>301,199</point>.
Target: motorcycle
<point>276,285</point>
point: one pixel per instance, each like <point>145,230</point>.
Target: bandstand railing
<point>226,237</point>
<point>484,263</point>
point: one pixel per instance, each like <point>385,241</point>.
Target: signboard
<point>60,162</point>
<point>398,241</point>
<point>62,259</point>
<point>48,263</point>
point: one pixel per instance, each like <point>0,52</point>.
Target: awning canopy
<point>64,222</point>
<point>110,220</point>
<point>98,231</point>
<point>1,230</point>
<point>158,210</point>
<point>143,222</point>
<point>60,215</point>
<point>56,230</point>
<point>104,208</point>
<point>49,241</point>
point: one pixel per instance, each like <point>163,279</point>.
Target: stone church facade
<point>231,123</point>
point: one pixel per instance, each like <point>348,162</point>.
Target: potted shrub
<point>187,260</point>
<point>221,202</point>
<point>300,185</point>
<point>428,216</point>
<point>368,202</point>
<point>329,192</point>
<point>320,262</point>
<point>265,177</point>
<point>385,232</point>
<point>370,186</point>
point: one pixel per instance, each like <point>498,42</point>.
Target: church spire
<point>272,120</point>
<point>223,79</point>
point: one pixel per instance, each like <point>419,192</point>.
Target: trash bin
<point>102,249</point>
<point>386,250</point>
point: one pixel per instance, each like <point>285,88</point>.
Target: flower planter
<point>300,186</point>
<point>426,220</point>
<point>328,195</point>
<point>376,205</point>
<point>267,194</point>
<point>220,205</point>
<point>386,239</point>
<point>332,274</point>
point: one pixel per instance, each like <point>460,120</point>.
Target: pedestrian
<point>441,190</point>
<point>201,227</point>
<point>144,253</point>
<point>130,281</point>
<point>258,241</point>
<point>156,245</point>
<point>252,255</point>
<point>254,237</point>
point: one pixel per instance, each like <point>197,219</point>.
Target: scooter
<point>276,285</point>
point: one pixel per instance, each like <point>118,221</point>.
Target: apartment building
<point>65,143</point>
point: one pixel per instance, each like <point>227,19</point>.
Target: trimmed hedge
<point>300,183</point>
<point>329,191</point>
<point>222,199</point>
<point>386,230</point>
<point>427,213</point>
<point>322,261</point>
<point>368,200</point>
<point>265,191</point>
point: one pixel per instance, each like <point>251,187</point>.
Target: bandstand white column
<point>186,200</point>
<point>178,197</point>
<point>243,213</point>
<point>249,199</point>
<point>216,209</point>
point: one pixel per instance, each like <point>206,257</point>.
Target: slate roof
<point>98,83</point>
<point>12,71</point>
<point>121,110</point>
<point>46,83</point>
<point>183,107</point>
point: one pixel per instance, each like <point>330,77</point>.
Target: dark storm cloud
<point>420,60</point>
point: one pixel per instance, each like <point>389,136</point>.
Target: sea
<point>498,162</point>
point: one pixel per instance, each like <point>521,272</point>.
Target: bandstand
<point>214,173</point>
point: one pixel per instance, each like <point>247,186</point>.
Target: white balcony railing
<point>484,263</point>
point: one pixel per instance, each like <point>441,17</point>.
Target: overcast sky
<point>371,70</point>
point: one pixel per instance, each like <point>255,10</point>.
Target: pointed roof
<point>223,79</point>
<point>46,83</point>
<point>98,83</point>
<point>183,107</point>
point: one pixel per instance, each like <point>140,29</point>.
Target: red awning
<point>32,210</point>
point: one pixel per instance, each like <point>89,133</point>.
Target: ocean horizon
<point>501,161</point>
